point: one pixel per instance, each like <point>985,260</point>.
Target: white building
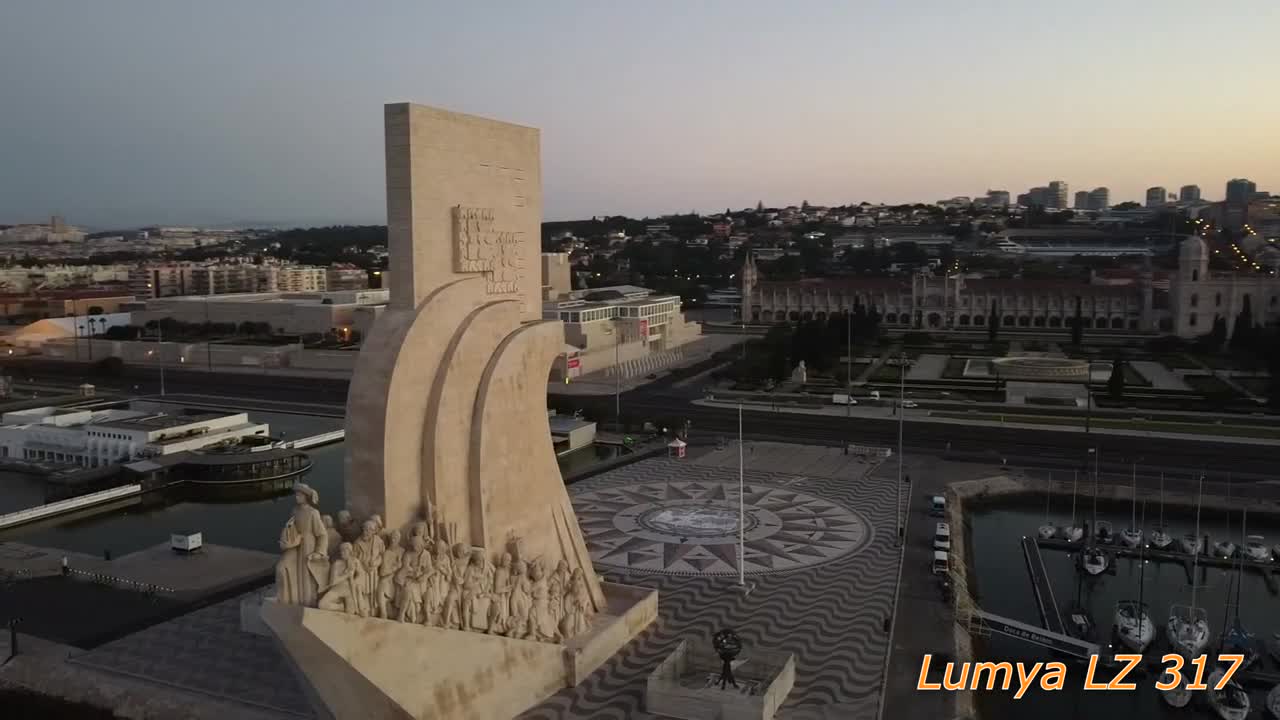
<point>627,325</point>
<point>94,438</point>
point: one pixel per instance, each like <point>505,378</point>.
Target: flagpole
<point>742,511</point>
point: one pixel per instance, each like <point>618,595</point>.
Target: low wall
<point>61,506</point>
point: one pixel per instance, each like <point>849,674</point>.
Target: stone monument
<point>457,583</point>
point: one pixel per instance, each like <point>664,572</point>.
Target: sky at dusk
<point>131,112</point>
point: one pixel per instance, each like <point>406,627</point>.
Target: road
<point>666,404</point>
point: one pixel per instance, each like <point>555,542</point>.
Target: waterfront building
<point>94,438</point>
<point>1082,200</point>
<point>1240,191</point>
<point>1057,195</point>
<point>627,325</point>
<point>1184,304</point>
<point>1189,193</point>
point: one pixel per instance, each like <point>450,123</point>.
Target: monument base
<point>354,667</point>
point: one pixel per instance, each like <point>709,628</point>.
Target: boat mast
<point>1195,560</point>
<point>1162,502</point>
<point>1075,478</point>
<point>1134,521</point>
<point>1142,575</point>
<point>1048,492</point>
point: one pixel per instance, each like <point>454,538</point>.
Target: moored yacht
<point>1133,625</point>
<point>1256,549</point>
<point>1231,702</point>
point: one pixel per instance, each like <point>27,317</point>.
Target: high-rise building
<point>1035,196</point>
<point>1240,191</point>
<point>1099,198</point>
<point>1082,200</point>
<point>998,198</point>
<point>1057,195</point>
<point>1189,193</point>
<point>1156,196</point>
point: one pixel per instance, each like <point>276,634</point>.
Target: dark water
<point>253,524</point>
<point>1003,586</point>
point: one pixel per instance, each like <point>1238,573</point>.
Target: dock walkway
<point>1050,613</point>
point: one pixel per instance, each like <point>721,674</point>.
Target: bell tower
<point>750,278</point>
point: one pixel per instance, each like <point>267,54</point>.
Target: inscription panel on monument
<point>480,246</point>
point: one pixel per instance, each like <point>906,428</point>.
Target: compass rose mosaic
<point>691,528</point>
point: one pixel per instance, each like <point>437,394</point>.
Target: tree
<point>1126,205</point>
<point>1077,326</point>
<point>804,204</point>
<point>759,206</point>
<point>95,310</point>
<point>1242,333</point>
<point>993,323</point>
<point>1115,383</point>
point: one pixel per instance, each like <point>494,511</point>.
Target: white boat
<point>1231,702</point>
<point>1094,561</point>
<point>1273,701</point>
<point>1047,531</point>
<point>1179,696</point>
<point>1130,537</point>
<point>1072,533</point>
<point>1224,549</point>
<point>1188,630</point>
<point>1133,625</point>
<point>1103,534</point>
<point>1256,550</point>
<point>1192,544</point>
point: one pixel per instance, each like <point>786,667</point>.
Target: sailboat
<point>1073,532</point>
<point>1093,560</point>
<point>1131,535</point>
<point>1226,548</point>
<point>1273,701</point>
<point>1231,702</point>
<point>1048,529</point>
<point>1255,548</point>
<point>1133,624</point>
<point>1188,627</point>
<point>1160,539</point>
<point>1236,639</point>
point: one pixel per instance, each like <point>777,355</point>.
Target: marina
<point>1026,592</point>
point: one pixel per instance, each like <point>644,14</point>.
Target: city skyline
<point>146,113</point>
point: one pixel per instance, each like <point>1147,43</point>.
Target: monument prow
<point>457,583</point>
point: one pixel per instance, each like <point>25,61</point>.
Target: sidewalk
<point>926,416</point>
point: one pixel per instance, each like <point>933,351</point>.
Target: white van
<point>939,506</point>
<point>942,537</point>
<point>941,562</point>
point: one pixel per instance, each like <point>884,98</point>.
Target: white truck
<point>842,399</point>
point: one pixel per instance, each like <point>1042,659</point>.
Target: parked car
<point>941,562</point>
<point>942,537</point>
<point>938,506</point>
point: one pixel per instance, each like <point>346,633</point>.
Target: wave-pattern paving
<point>833,616</point>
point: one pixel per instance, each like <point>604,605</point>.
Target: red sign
<point>574,362</point>
<point>644,330</point>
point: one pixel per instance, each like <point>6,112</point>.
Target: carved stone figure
<point>409,578</point>
<point>577,606</point>
<point>452,617</point>
<point>542,620</point>
<point>304,564</point>
<point>369,550</point>
<point>344,579</point>
<point>557,588</point>
<point>500,599</point>
<point>475,592</point>
<point>436,590</point>
<point>347,526</point>
<point>387,569</point>
<point>335,537</point>
<point>521,600</point>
